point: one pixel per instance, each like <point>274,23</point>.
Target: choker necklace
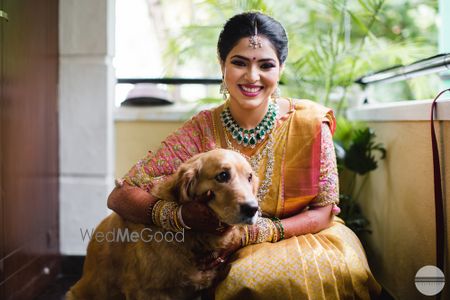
<point>250,137</point>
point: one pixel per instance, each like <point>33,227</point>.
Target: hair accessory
<point>255,41</point>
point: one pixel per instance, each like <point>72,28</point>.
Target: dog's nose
<point>248,210</point>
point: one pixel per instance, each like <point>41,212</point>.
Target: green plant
<point>356,157</point>
<point>352,215</point>
<point>360,158</point>
<point>331,42</point>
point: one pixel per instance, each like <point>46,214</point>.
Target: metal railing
<point>170,80</point>
<point>433,64</point>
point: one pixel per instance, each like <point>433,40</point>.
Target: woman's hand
<point>336,210</point>
<point>217,258</point>
<point>198,216</point>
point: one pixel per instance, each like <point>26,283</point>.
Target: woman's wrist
<point>265,230</point>
<point>167,215</point>
<point>279,229</point>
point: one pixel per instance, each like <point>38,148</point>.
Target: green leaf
<point>358,22</point>
<point>360,156</point>
<point>352,214</point>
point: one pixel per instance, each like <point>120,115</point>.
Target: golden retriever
<point>156,267</point>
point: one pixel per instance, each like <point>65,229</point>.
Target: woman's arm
<point>321,210</point>
<point>310,221</point>
<point>132,198</point>
<point>132,203</point>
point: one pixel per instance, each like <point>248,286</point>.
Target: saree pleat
<point>311,266</point>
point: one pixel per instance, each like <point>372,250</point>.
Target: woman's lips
<point>250,90</point>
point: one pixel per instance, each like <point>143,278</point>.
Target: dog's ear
<point>187,180</point>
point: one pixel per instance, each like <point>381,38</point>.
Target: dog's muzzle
<point>248,210</point>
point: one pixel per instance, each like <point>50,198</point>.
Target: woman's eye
<point>250,177</point>
<point>267,66</point>
<point>238,63</point>
<point>223,177</point>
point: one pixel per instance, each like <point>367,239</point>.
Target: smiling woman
<point>297,248</point>
<point>251,77</point>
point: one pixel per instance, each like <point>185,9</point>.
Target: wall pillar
<point>86,117</point>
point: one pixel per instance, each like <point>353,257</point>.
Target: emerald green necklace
<point>250,137</point>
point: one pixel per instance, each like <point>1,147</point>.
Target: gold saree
<point>330,264</point>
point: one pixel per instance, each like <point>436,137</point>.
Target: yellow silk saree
<point>330,264</point>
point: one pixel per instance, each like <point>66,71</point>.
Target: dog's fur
<point>168,270</point>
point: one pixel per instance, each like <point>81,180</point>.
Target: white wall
<point>398,197</point>
<point>86,100</point>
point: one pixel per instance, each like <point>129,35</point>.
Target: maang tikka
<point>255,41</point>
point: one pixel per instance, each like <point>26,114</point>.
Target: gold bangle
<point>174,221</point>
<point>245,237</point>
<point>243,244</point>
<point>180,218</point>
<point>279,228</point>
<point>265,230</point>
<point>275,234</point>
<point>156,212</point>
<point>254,230</point>
<point>149,210</point>
<point>166,215</point>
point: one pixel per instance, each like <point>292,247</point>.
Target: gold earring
<point>277,93</point>
<point>224,90</point>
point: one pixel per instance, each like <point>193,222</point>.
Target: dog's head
<point>225,180</point>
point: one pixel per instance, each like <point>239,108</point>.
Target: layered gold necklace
<point>267,151</point>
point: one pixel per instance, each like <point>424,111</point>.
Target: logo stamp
<point>429,280</point>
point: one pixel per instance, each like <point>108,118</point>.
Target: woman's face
<point>251,75</point>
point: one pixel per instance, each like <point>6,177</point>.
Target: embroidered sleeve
<point>328,181</point>
<point>193,137</point>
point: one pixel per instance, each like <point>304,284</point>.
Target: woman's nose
<point>252,74</point>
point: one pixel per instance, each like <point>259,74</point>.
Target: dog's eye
<point>250,177</point>
<point>223,177</point>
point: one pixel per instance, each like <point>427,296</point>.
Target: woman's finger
<point>335,210</point>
